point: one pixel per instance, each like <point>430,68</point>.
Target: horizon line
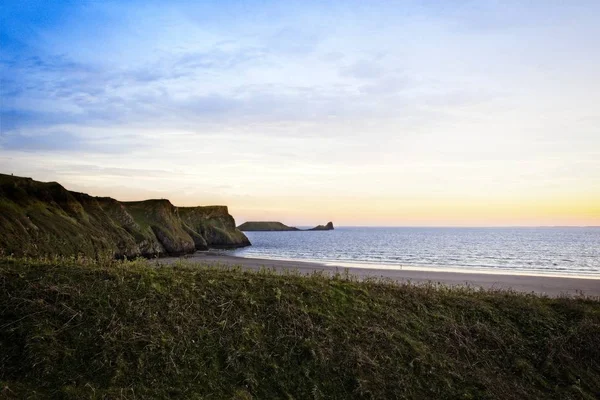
<point>461,226</point>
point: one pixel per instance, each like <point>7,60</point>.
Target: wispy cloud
<point>237,88</point>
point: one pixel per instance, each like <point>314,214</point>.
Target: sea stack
<point>326,227</point>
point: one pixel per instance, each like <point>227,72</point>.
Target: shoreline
<point>553,286</point>
<point>420,267</point>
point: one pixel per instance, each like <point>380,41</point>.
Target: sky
<point>383,113</point>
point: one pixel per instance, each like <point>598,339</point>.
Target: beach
<point>553,286</point>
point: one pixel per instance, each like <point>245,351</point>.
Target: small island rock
<point>327,227</point>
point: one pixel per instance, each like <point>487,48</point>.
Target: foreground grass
<point>77,329</point>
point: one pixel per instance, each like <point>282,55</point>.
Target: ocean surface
<point>539,251</point>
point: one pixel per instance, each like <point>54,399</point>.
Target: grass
<point>75,328</point>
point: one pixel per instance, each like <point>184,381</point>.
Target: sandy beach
<point>546,285</point>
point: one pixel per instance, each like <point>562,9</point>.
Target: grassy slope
<point>124,330</point>
<point>45,218</point>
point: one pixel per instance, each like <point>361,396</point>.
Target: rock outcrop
<point>264,226</point>
<point>160,219</point>
<point>38,218</point>
<point>326,227</point>
<point>215,225</point>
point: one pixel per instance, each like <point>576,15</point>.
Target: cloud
<point>65,141</point>
<point>292,41</point>
<point>56,141</point>
<point>275,73</point>
<point>90,169</point>
<point>61,91</point>
<point>262,97</point>
<point>363,69</point>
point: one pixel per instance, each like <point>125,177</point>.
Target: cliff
<point>215,225</point>
<point>39,218</point>
<point>265,226</point>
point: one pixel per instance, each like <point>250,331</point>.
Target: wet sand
<point>547,285</point>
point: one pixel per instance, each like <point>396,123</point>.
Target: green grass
<point>86,329</point>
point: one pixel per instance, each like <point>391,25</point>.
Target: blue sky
<point>465,112</point>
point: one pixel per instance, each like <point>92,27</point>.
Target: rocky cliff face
<point>215,224</point>
<point>38,218</point>
<point>160,218</point>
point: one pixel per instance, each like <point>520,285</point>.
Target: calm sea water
<point>564,251</point>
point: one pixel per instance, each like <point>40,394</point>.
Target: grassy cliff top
<point>207,209</point>
<point>5,178</point>
<point>79,329</point>
<point>148,203</point>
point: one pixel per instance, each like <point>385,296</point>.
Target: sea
<point>557,251</point>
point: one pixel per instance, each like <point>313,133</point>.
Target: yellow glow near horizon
<point>396,212</point>
<point>376,123</point>
<point>364,195</point>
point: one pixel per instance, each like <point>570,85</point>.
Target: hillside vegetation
<point>38,218</point>
<point>77,329</point>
